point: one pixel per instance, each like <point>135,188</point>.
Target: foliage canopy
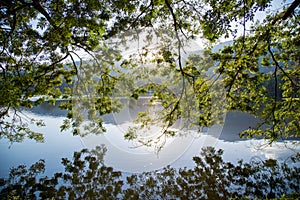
<point>258,73</point>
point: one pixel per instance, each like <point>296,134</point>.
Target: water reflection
<point>46,109</point>
<point>85,176</point>
<point>235,122</point>
<point>123,155</point>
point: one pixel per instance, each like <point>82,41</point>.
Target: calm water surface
<point>124,155</point>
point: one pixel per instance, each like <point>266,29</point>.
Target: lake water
<point>126,156</point>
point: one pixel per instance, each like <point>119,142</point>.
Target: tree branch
<point>290,9</point>
<point>36,4</point>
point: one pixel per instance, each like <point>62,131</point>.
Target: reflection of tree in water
<point>87,177</point>
<point>48,109</point>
